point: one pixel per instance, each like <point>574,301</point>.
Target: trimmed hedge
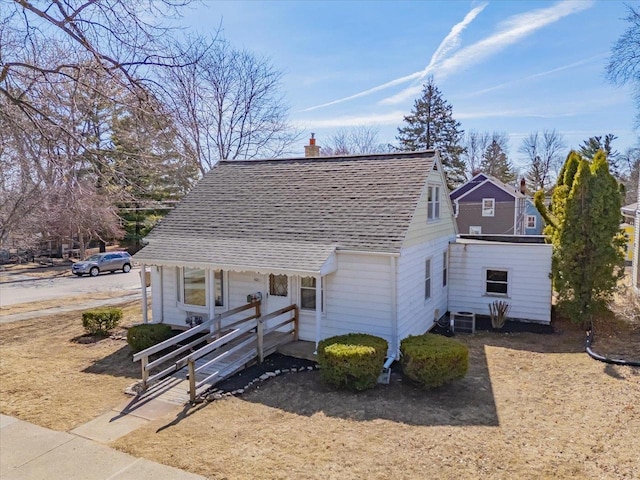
<point>433,360</point>
<point>353,361</point>
<point>100,321</point>
<point>140,337</point>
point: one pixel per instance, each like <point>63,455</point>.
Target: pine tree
<point>431,125</point>
<point>583,222</point>
<point>495,163</point>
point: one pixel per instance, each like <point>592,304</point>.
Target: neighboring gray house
<point>485,205</point>
<point>360,243</point>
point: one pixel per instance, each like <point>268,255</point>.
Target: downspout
<point>143,288</point>
<point>161,292</point>
<point>395,347</point>
<point>318,309</point>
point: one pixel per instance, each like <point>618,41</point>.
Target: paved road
<point>23,289</point>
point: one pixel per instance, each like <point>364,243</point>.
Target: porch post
<point>143,287</point>
<point>211,298</point>
<point>318,308</point>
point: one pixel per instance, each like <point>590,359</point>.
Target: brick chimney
<point>312,150</point>
<point>523,186</point>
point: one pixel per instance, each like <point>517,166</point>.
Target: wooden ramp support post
<point>145,373</point>
<point>296,323</point>
<point>260,340</point>
<point>192,380</point>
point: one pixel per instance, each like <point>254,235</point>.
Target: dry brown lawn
<point>49,377</point>
<point>531,406</point>
<point>57,302</point>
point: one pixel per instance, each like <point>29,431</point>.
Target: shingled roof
<point>292,213</point>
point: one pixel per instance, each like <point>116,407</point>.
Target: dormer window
<point>433,202</point>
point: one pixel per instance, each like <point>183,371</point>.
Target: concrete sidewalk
<point>31,452</point>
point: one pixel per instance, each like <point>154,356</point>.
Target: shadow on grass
<point>467,402</point>
<point>117,364</point>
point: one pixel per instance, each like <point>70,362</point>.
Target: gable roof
<point>291,214</point>
<point>481,179</point>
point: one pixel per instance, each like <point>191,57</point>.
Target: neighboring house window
<point>193,287</point>
<point>497,282</point>
<point>278,285</point>
<point>427,279</point>
<point>308,293</point>
<point>433,202</point>
<point>444,269</point>
<point>476,230</point>
<point>219,288</point>
<point>488,207</point>
<point>531,221</point>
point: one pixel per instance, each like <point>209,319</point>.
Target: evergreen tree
<point>431,125</point>
<point>495,163</point>
<point>583,223</point>
<point>593,145</point>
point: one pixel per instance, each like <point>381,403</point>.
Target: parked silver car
<point>103,262</point>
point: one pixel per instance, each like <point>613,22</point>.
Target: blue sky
<point>512,66</point>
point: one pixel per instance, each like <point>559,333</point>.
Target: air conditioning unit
<point>463,322</point>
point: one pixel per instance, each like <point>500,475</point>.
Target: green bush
<point>433,360</point>
<point>352,361</point>
<point>100,321</point>
<point>140,337</point>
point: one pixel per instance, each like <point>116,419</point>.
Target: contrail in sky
<point>450,42</point>
<point>511,31</point>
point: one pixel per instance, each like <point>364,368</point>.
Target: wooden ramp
<point>199,358</point>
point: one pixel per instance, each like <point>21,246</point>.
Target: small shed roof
<point>292,214</point>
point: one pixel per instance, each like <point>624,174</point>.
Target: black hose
<point>601,358</point>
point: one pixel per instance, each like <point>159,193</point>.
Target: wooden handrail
<point>172,341</point>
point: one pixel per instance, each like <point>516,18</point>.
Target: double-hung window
<point>433,202</point>
<point>427,279</point>
<point>531,221</point>
<point>308,293</point>
<point>488,207</point>
<point>497,282</point>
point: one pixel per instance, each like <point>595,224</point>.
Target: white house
<point>360,243</point>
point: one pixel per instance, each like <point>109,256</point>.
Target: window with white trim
<point>194,287</point>
<point>531,221</point>
<point>308,293</point>
<point>475,230</point>
<point>488,207</point>
<point>444,269</point>
<point>496,282</point>
<point>218,288</point>
<point>427,279</point>
<point>433,202</point>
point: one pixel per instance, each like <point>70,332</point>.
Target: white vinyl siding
<point>415,315</point>
<point>421,230</point>
<point>529,285</point>
<point>357,298</point>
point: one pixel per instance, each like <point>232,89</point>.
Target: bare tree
<point>228,104</point>
<point>121,39</point>
<point>544,153</point>
<point>354,141</point>
<point>624,64</point>
<point>475,144</point>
